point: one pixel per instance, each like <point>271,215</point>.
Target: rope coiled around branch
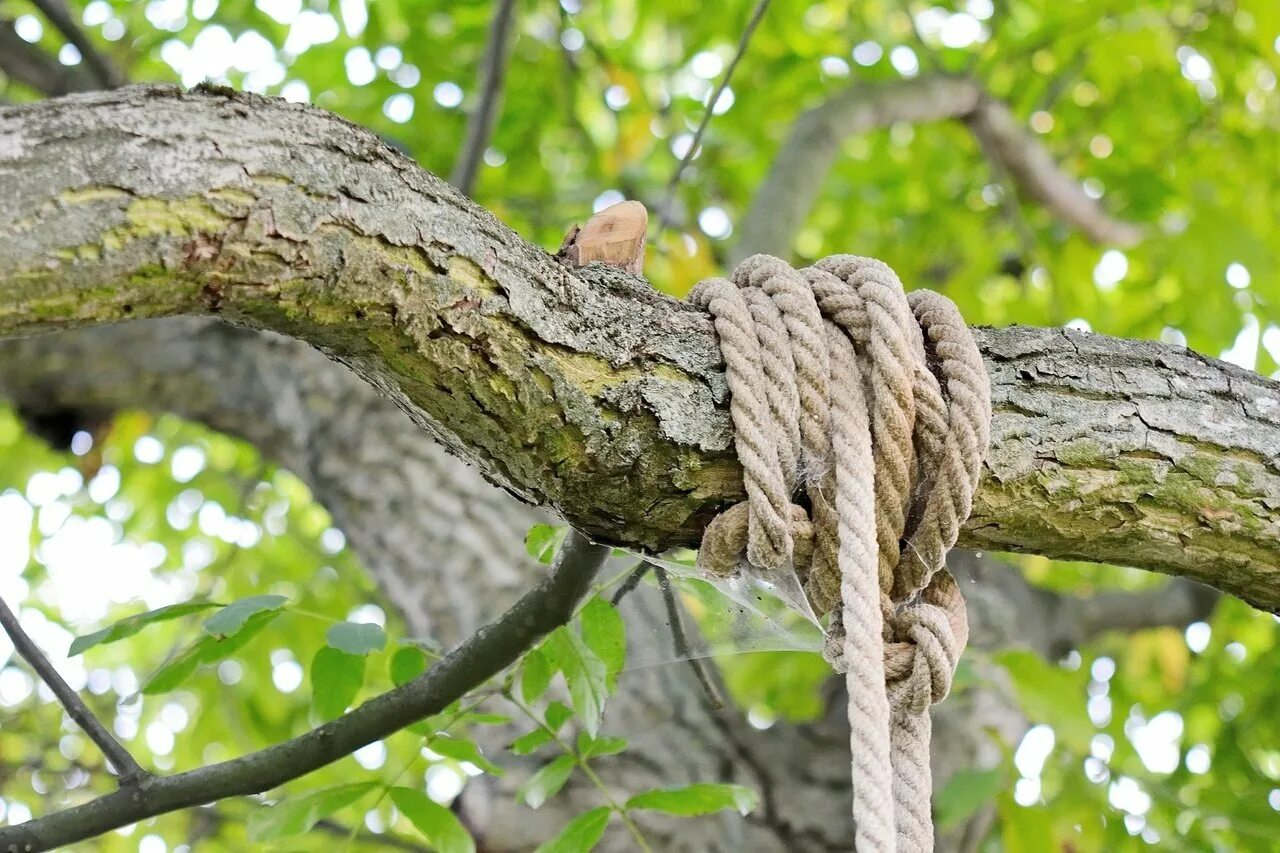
<point>877,405</point>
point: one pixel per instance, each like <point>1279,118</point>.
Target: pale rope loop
<point>769,542</point>
<point>890,353</point>
<point>949,497</point>
<point>780,380</point>
<point>868,707</point>
<point>803,319</point>
<point>861,379</point>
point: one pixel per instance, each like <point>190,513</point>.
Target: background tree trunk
<point>446,549</point>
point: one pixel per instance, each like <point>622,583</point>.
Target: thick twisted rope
<point>878,405</point>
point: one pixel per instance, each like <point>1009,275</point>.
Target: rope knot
<point>921,658</point>
<point>725,541</point>
<point>877,404</point>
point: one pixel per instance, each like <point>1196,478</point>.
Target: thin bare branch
<point>102,68</point>
<point>130,772</point>
<point>1175,604</point>
<point>681,641</point>
<point>1016,612</point>
<point>544,608</point>
<point>1038,177</point>
<point>633,580</point>
<point>482,119</point>
<point>757,15</point>
<point>780,208</point>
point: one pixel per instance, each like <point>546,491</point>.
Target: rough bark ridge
<point>585,391</point>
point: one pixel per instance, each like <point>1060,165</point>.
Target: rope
<point>877,405</point>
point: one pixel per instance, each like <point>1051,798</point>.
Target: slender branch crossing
<point>544,608</point>
<point>129,771</point>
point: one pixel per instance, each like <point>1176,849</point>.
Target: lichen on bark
<point>580,389</point>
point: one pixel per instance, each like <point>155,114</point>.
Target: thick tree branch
<point>31,66</point>
<point>127,769</point>
<point>1053,623</point>
<point>544,608</point>
<point>103,69</point>
<point>582,389</point>
<point>482,119</point>
<point>1038,178</point>
<point>1175,605</point>
<point>780,208</point>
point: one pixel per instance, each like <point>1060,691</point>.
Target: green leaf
<point>407,664</point>
<point>487,719</point>
<point>215,649</point>
<point>1048,694</point>
<point>589,747</point>
<point>547,782</point>
<point>698,799</point>
<point>356,638</point>
<point>581,834</point>
<point>205,650</point>
<point>965,793</point>
<point>461,749</point>
<point>557,715</point>
<point>586,674</point>
<point>131,625</point>
<point>526,744</point>
<point>542,541</point>
<point>535,675</point>
<point>438,825</point>
<point>336,678</point>
<point>177,670</point>
<point>296,815</point>
<point>230,619</point>
<point>604,634</point>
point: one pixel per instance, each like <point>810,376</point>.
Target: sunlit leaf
<point>131,625</point>
<point>230,619</point>
<point>547,782</point>
<point>698,799</point>
<point>597,747</point>
<point>557,714</point>
<point>336,678</point>
<point>581,834</point>
<point>407,664</point>
<point>543,540</point>
<point>586,674</point>
<point>356,638</point>
<point>535,675</point>
<point>296,815</point>
<point>604,634</point>
<point>461,749</point>
<point>528,743</point>
<point>437,824</point>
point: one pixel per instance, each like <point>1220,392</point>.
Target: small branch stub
<point>614,236</point>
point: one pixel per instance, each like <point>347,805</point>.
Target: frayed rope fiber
<point>874,404</point>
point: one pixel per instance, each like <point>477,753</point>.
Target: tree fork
<point>583,389</point>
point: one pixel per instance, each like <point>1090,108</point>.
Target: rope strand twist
<point>875,404</point>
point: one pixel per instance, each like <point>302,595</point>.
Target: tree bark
<point>580,389</point>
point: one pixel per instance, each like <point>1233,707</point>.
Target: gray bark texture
<point>583,390</point>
